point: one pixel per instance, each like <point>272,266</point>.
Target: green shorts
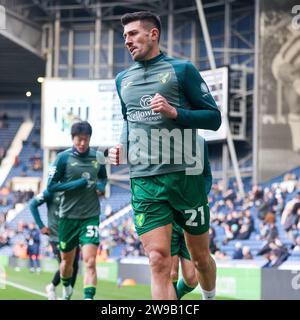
<point>178,245</point>
<point>162,199</point>
<point>73,232</point>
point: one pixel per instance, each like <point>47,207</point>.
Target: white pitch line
<point>19,286</point>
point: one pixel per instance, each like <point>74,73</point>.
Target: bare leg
<point>89,252</point>
<point>189,272</point>
<point>157,244</point>
<point>205,265</point>
<point>66,265</point>
<point>175,268</point>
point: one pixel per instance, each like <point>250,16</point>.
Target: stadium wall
<point>278,108</point>
<point>280,284</point>
<point>236,282</point>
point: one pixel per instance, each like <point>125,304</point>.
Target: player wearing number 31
<point>78,174</point>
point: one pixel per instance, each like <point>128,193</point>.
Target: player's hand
<point>115,154</point>
<point>159,104</point>
<point>100,193</point>
<point>46,231</point>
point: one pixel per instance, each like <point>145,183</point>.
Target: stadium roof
<point>19,69</point>
<point>21,60</point>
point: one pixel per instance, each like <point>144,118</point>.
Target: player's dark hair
<point>145,16</point>
<point>81,127</point>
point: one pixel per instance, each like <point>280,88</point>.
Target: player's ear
<point>154,34</point>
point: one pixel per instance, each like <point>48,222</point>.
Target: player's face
<point>141,42</point>
<point>81,142</point>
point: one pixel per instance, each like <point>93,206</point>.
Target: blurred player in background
<point>52,201</point>
<point>179,251</point>
<point>162,95</point>
<point>76,171</point>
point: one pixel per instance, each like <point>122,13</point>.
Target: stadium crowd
<point>259,215</point>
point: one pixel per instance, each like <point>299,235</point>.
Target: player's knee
<point>202,261</point>
<point>159,262</point>
<point>191,279</point>
<point>90,263</point>
<point>174,275</point>
<point>63,264</point>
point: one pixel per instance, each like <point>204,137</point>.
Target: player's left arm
<point>33,207</point>
<point>56,174</point>
<point>204,112</point>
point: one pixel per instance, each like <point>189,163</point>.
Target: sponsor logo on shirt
<point>145,101</point>
<point>146,114</point>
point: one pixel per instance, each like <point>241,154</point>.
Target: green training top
<point>76,174</point>
<point>152,150</point>
<point>52,201</point>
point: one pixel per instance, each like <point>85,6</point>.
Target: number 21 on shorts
<point>191,221</point>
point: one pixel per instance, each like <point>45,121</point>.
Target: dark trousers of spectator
<point>34,257</point>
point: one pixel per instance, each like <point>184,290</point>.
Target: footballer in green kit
<point>52,201</point>
<point>164,101</point>
<point>78,174</point>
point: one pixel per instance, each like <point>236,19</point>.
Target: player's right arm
<point>33,207</point>
<point>116,153</point>
<point>56,175</point>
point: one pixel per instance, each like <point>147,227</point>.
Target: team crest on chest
<point>95,164</point>
<point>164,77</point>
<point>127,84</point>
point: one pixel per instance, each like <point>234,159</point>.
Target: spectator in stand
<point>247,255</point>
<point>212,244</point>
<point>238,253</point>
<point>276,254</point>
<point>33,248</point>
<point>24,170</point>
<point>4,239</point>
<point>292,216</point>
<point>257,193</point>
<point>16,161</point>
<point>269,230</point>
<point>296,244</point>
<point>20,250</point>
<point>2,153</point>
<point>288,209</point>
<point>244,233</point>
<point>3,121</point>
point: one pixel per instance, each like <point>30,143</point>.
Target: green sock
<point>66,281</point>
<point>89,292</point>
<point>182,289</point>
